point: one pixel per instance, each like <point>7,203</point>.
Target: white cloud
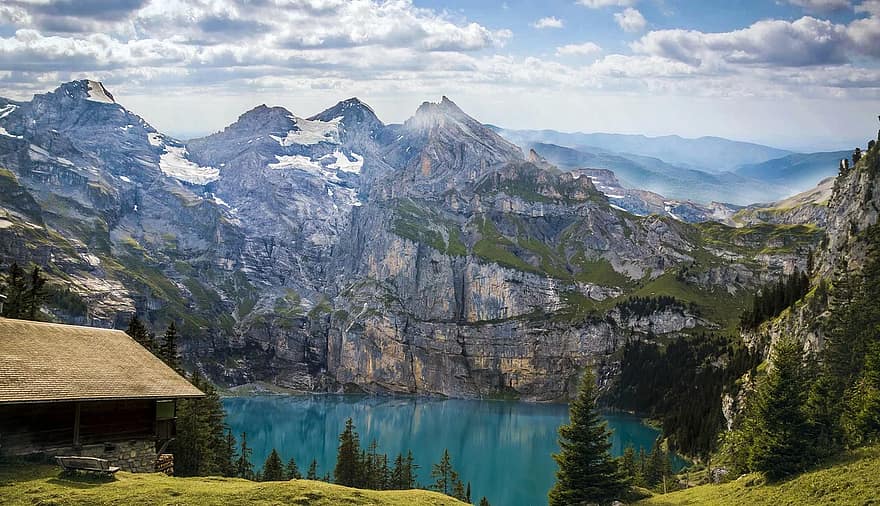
<point>804,42</point>
<point>548,22</point>
<point>598,4</point>
<point>585,49</point>
<point>631,20</point>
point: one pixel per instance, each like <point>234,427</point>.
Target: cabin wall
<point>123,432</point>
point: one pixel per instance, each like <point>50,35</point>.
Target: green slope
<point>28,484</point>
<point>850,479</point>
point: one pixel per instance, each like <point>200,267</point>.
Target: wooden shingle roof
<point>48,362</point>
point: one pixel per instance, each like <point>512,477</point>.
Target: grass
<point>851,479</point>
<point>29,484</point>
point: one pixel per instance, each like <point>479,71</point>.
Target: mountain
<point>709,154</point>
<point>805,208</point>
<point>336,253</point>
<point>798,172</point>
<point>657,176</point>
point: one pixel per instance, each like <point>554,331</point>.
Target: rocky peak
<point>263,119</point>
<point>352,111</point>
<point>86,89</point>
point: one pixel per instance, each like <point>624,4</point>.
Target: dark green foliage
<point>291,470</point>
<point>25,294</point>
<point>243,467</point>
<point>227,456</point>
<point>779,432</point>
<point>648,470</point>
<point>273,468</point>
<point>312,473</point>
<point>201,447</point>
<point>861,420</point>
<point>403,474</point>
<point>773,299</point>
<point>168,350</point>
<point>139,332</point>
<point>484,501</point>
<point>446,479</point>
<point>645,306</point>
<point>348,458</point>
<point>586,473</point>
<point>681,384</point>
<point>35,294</point>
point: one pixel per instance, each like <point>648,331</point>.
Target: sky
<point>799,74</point>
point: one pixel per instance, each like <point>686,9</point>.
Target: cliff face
<point>339,253</point>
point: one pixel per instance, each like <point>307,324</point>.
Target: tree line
<point>775,298</point>
<point>811,406</point>
<point>680,384</point>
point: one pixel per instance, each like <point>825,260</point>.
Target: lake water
<point>503,448</point>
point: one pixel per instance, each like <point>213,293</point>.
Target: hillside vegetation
<point>850,479</point>
<point>30,484</point>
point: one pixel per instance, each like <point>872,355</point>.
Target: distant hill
<point>658,176</point>
<point>799,171</point>
<point>711,154</point>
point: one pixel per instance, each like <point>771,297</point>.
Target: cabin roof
<point>50,362</point>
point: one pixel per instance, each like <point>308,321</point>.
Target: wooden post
<point>76,425</point>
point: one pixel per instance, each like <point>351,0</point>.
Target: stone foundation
<point>137,456</point>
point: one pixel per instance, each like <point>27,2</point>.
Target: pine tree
<point>168,350</point>
<point>397,482</point>
<point>243,467</point>
<point>628,464</point>
<point>458,490</point>
<point>291,470</point>
<point>484,501</point>
<point>202,446</point>
<point>273,468</point>
<point>442,473</point>
<point>139,332</point>
<point>467,495</point>
<point>312,473</point>
<point>861,419</point>
<point>410,470</point>
<point>35,295</point>
<point>587,473</point>
<point>15,291</point>
<point>348,458</point>
<point>780,438</point>
<point>227,456</point>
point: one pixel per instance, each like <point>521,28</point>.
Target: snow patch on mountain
<point>173,163</point>
<point>310,132</point>
<point>6,111</point>
<point>155,139</point>
<point>345,164</point>
<point>97,93</point>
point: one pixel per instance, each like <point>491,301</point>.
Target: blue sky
<point>802,74</point>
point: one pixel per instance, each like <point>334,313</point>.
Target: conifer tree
<point>484,501</point>
<point>586,473</point>
<point>168,350</point>
<point>273,468</point>
<point>779,441</point>
<point>291,470</point>
<point>443,474</point>
<point>861,420</point>
<point>397,482</point>
<point>467,495</point>
<point>15,291</point>
<point>35,294</point>
<point>348,457</point>
<point>228,455</point>
<point>312,473</point>
<point>243,467</point>
<point>628,464</point>
<point>139,332</point>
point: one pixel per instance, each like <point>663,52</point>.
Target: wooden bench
<point>90,464</point>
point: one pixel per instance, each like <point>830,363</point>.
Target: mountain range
<point>337,253</point>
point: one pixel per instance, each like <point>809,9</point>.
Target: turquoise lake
<point>502,448</point>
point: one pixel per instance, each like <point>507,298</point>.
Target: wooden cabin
<point>70,390</point>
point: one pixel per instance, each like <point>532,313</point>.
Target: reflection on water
<point>502,448</point>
